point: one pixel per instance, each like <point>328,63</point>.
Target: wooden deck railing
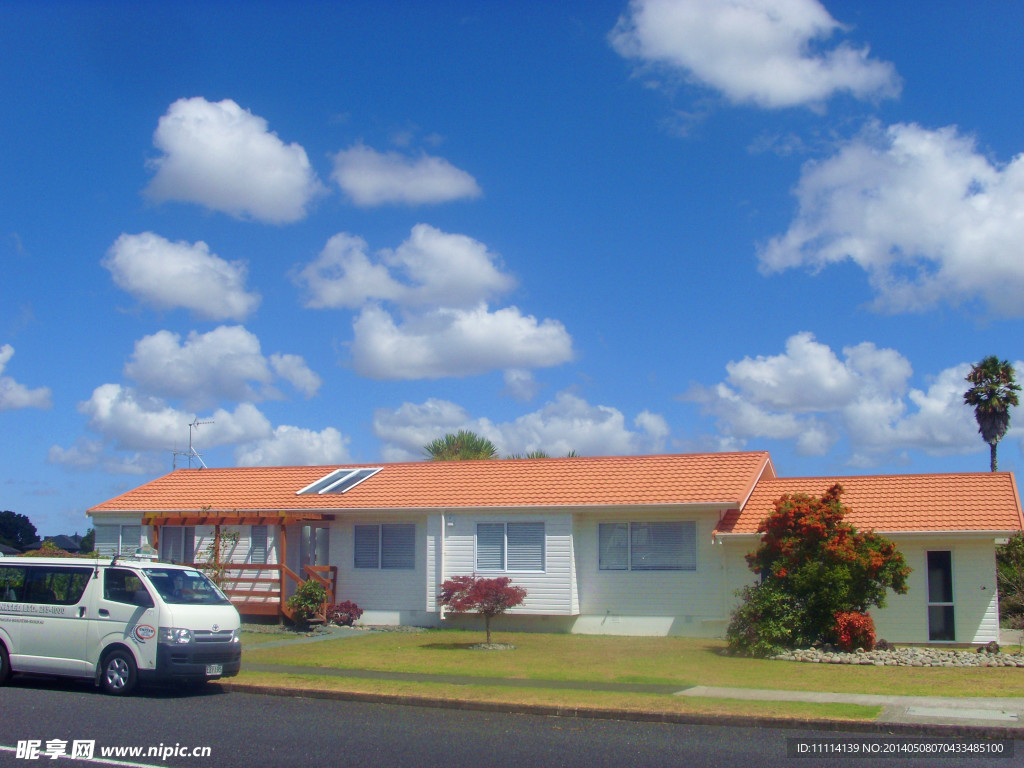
<point>265,594</point>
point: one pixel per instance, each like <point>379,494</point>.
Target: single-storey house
<point>638,545</point>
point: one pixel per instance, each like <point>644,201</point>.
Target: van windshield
<point>184,587</point>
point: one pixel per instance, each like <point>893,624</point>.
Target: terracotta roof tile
<point>899,503</point>
<point>719,478</point>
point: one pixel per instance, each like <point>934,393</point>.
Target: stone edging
<point>904,657</point>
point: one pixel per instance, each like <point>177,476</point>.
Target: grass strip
<point>666,660</point>
<point>628,702</point>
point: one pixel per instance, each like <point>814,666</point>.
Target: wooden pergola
<point>262,594</point>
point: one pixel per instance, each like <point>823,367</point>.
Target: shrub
<point>488,597</point>
<point>344,614</point>
<point>1010,581</point>
<point>854,630</point>
<point>307,601</point>
<point>822,565</point>
<point>767,622</point>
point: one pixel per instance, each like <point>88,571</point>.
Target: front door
<point>940,596</point>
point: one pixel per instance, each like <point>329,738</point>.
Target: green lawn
<point>679,661</point>
<point>581,700</point>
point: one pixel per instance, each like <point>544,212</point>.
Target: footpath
<point>932,716</point>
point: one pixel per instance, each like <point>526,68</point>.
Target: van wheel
<point>5,665</point>
<point>119,673</point>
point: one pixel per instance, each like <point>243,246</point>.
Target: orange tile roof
<point>719,478</point>
<point>899,503</point>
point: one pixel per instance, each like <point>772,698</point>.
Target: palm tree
<point>993,391</point>
<point>462,446</point>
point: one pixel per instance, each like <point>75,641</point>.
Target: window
<point>385,546</point>
<point>670,546</point>
<point>43,584</point>
<point>177,543</point>
<point>510,546</point>
<point>123,586</point>
<point>117,539</point>
<point>258,545</point>
<point>940,596</point>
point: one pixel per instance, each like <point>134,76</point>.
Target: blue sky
<point>340,230</point>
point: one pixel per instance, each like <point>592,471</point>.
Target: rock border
<point>904,657</point>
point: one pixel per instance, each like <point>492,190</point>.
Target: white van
<point>116,621</point>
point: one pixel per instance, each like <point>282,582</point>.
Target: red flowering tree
<point>815,567</point>
<point>488,597</point>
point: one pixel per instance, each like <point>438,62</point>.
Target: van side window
<point>12,584</point>
<point>52,584</point>
<point>124,586</point>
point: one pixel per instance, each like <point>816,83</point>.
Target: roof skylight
<point>339,481</point>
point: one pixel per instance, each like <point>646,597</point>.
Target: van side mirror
<point>143,599</point>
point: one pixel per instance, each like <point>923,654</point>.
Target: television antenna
<point>191,452</point>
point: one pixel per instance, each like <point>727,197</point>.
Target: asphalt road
<point>250,731</point>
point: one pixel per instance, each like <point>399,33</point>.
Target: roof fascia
<point>968,534</point>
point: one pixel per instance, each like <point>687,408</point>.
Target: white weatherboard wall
<point>687,603</point>
<point>975,599</point>
<point>905,617</point>
<point>387,596</point>
<point>551,592</point>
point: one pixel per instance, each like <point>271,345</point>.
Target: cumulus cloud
<point>14,395</point>
<point>134,421</point>
<point>923,212</point>
<point>520,384</point>
<point>87,454</point>
<point>291,446</point>
<point>439,285</point>
<point>222,364</point>
<point>225,158</point>
<point>429,267</point>
<point>455,342</point>
<point>170,275</point>
<point>373,178</point>
<point>763,52</point>
<point>814,398</point>
<point>568,423</point>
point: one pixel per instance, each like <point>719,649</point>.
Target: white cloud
<point>765,52</point>
<point>435,267</point>
<point>440,283</point>
<point>927,216</point>
<point>565,424</point>
<point>14,395</point>
<point>810,396</point>
<point>170,275</point>
<point>87,455</point>
<point>372,178</point>
<point>344,276</point>
<point>455,342</point>
<point>205,368</point>
<point>293,446</point>
<point>136,422</point>
<point>224,157</point>
<point>293,369</point>
<point>520,384</point>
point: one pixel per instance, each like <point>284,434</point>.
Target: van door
<point>125,613</point>
<point>54,620</point>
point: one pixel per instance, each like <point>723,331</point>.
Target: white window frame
<point>688,531</point>
<point>505,550</point>
<point>380,554</point>
<point>266,545</point>
<point>121,547</point>
<point>178,532</point>
<point>944,605</point>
